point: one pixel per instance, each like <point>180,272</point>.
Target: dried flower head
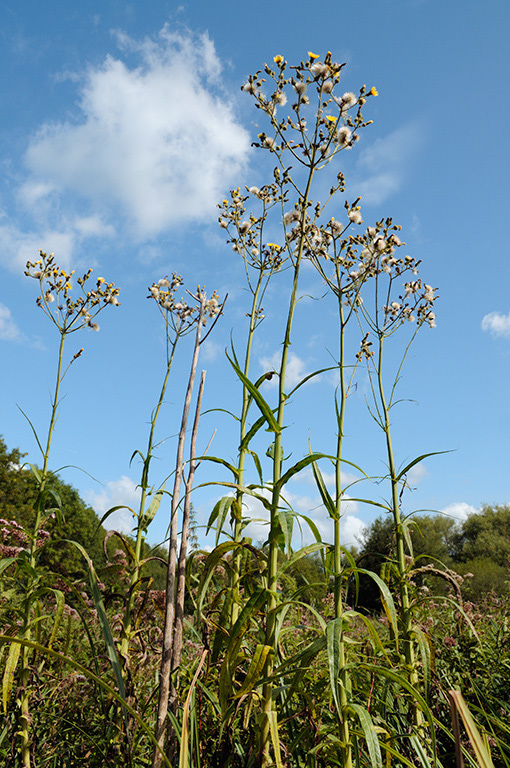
<point>69,314</point>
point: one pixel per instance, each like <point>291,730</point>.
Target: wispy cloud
<point>381,168</point>
<point>296,370</point>
<point>417,473</point>
<point>121,492</point>
<point>9,331</point>
<point>158,142</point>
<point>459,510</point>
<point>18,246</point>
<point>497,324</point>
<point>351,526</point>
<point>306,476</point>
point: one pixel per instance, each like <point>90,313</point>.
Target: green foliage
<point>274,668</point>
<point>477,548</point>
<point>78,522</point>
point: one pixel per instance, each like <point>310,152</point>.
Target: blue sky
<point>121,127</point>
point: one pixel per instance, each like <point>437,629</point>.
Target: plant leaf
<point>297,467</point>
<point>417,461</point>
<point>10,669</point>
<point>482,754</point>
<point>219,514</point>
<point>260,401</point>
<point>254,672</point>
<point>325,495</point>
<point>149,514</point>
<point>369,733</point>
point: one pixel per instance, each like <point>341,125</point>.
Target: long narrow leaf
<point>325,495</point>
<point>302,464</point>
<point>209,567</point>
<point>386,598</point>
<point>482,754</point>
<point>33,429</point>
<point>264,407</point>
<point>417,461</point>
<point>299,554</point>
<point>333,645</point>
<point>10,669</point>
<point>97,679</point>
<point>184,748</point>
<point>254,672</point>
<point>105,625</point>
<point>369,733</point>
<point>252,432</point>
<point>219,514</point>
<point>150,513</point>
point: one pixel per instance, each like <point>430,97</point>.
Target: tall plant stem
<point>24,720</point>
<point>406,612</point>
<point>168,630</point>
<point>238,508</point>
<point>183,551</point>
<point>344,681</point>
<point>140,537</point>
<point>272,565</point>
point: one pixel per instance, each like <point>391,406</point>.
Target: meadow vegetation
<point>258,654</point>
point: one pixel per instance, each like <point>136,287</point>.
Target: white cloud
<point>416,474</point>
<point>459,510</point>
<point>350,525</point>
<point>9,331</point>
<point>18,247</point>
<point>352,529</point>
<point>93,226</point>
<point>296,370</point>
<point>211,350</point>
<point>497,323</point>
<point>306,476</point>
<point>155,139</point>
<point>116,493</point>
<point>381,168</point>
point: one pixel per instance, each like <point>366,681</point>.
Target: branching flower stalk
<point>264,259</point>
<point>329,135</point>
<point>340,249</point>
<point>413,304</point>
<point>179,319</point>
<point>203,309</point>
<point>68,315</point>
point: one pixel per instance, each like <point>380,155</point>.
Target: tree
<point>18,493</point>
<point>432,539</point>
<point>481,548</point>
<point>484,534</point>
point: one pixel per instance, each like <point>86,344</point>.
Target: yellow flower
<point>273,245</point>
<point>313,55</point>
<point>373,91</point>
<point>278,59</point>
<point>331,119</point>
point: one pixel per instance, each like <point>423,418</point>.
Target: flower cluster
<point>246,232</point>
<point>336,123</point>
<point>56,299</point>
<point>374,254</point>
<point>14,539</point>
<point>182,315</point>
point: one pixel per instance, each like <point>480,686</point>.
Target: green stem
<point>406,611</point>
<point>344,681</point>
<point>238,511</point>
<point>272,565</point>
<point>25,717</point>
<point>140,537</point>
